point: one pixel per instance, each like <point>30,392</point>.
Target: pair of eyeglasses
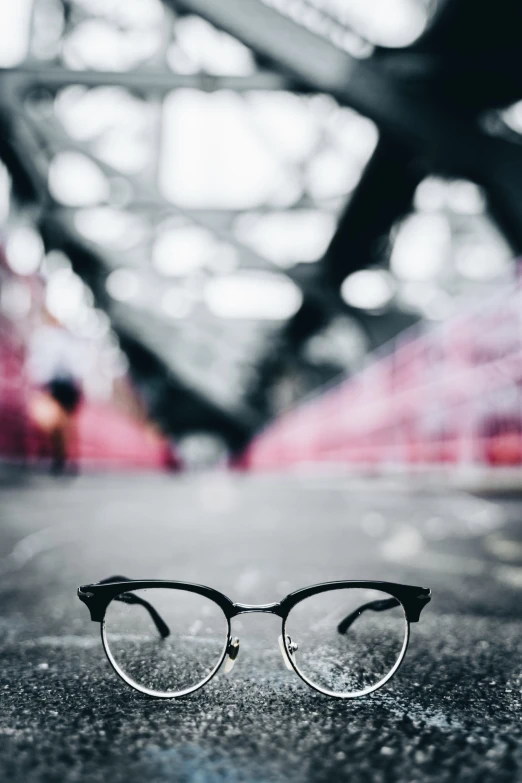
<point>167,639</point>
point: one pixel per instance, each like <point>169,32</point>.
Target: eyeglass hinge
<point>84,594</point>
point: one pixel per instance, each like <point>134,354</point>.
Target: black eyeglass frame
<point>98,596</point>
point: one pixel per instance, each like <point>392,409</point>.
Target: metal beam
<point>141,80</point>
<point>313,60</point>
<point>383,195</point>
<point>361,240</point>
<point>449,141</point>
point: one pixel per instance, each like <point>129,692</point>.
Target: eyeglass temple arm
<point>132,598</point>
<point>375,606</point>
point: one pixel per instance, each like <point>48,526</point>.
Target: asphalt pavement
<point>452,713</point>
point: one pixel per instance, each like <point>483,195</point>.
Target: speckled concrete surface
<point>451,714</point>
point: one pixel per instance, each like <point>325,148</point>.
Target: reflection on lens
<point>168,666</point>
<point>349,641</point>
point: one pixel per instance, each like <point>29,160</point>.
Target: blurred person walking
<point>56,367</point>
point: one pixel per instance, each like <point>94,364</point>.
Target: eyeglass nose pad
<point>288,651</point>
<point>232,653</point>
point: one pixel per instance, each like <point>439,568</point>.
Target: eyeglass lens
<point>161,664</point>
<point>346,642</point>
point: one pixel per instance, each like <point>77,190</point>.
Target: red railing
<point>436,395</point>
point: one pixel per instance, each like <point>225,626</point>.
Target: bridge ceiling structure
<point>215,172</point>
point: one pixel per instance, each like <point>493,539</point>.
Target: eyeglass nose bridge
<point>274,608</point>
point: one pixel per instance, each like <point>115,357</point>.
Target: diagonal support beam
<point>449,142</point>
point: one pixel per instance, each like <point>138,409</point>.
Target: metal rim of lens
<point>354,694</point>
<point>163,694</point>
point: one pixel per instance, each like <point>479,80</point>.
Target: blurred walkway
<point>452,713</point>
